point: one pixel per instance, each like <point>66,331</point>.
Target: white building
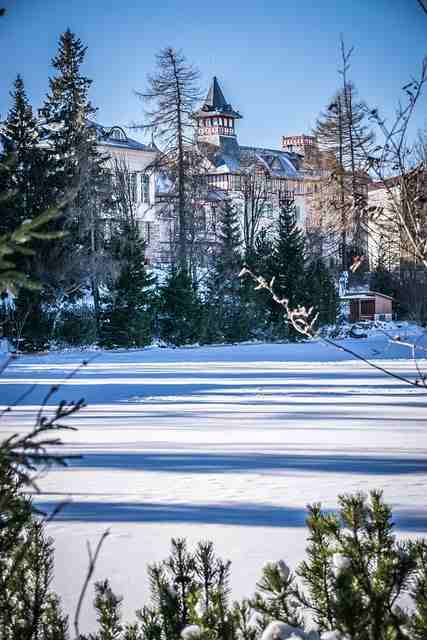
<point>226,164</point>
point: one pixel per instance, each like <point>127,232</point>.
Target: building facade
<point>250,176</point>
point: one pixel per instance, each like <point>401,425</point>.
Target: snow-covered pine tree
<point>128,305</point>
<point>356,571</point>
<point>275,596</point>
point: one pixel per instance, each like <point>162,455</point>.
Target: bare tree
<point>255,196</point>
<point>173,92</point>
<point>402,173</point>
<point>343,136</point>
<point>124,191</point>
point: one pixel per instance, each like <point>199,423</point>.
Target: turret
<point>216,117</point>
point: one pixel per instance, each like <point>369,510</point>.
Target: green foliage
<point>76,326</point>
<point>321,292</point>
<point>287,266</point>
<point>67,108</point>
<point>179,315</point>
<point>226,317</point>
<point>28,608</point>
<point>356,570</point>
<point>274,598</point>
<point>418,624</point>
<point>127,317</point>
<point>352,582</point>
<point>16,244</point>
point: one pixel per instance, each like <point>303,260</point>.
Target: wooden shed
<point>367,305</point>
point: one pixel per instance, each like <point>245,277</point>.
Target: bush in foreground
<point>350,587</point>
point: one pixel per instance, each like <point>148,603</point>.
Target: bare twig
<point>303,321</point>
<point>91,568</point>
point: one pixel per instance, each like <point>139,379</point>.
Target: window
<point>133,187</point>
<point>267,210</point>
<point>117,133</point>
<point>146,231</point>
<point>297,214</point>
<point>367,308</point>
<point>145,188</point>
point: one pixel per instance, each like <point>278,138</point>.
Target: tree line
<point>95,287</point>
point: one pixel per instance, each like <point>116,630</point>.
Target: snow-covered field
<point>221,443</point>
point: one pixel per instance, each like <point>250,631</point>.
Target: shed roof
<point>365,295</point>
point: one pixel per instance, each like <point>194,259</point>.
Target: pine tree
<point>288,267</point>
<point>321,291</point>
<point>419,593</point>
<point>258,303</point>
<point>179,316</point>
<point>274,597</point>
<point>128,308</point>
<point>72,138</point>
<point>67,110</point>
<point>226,319</point>
<point>28,607</point>
<point>20,128</point>
<point>356,571</point>
<point>29,166</point>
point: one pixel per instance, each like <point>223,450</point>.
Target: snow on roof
<point>116,137</point>
<point>364,295</point>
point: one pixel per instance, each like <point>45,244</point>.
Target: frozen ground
<point>221,443</point>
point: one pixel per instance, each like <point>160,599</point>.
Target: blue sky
<point>276,60</point>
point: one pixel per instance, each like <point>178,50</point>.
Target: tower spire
<point>215,98</point>
<point>216,117</point>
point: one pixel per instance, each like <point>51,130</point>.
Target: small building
<point>367,305</point>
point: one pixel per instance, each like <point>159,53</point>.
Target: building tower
<point>306,146</point>
<point>216,118</point>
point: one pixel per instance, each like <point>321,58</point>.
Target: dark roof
<point>215,98</point>
<point>216,104</point>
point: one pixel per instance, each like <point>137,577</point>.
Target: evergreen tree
<point>179,316</point>
<point>382,280</point>
<point>321,291</point>
<point>356,570</point>
<point>72,138</point>
<point>67,110</point>
<point>258,303</point>
<point>288,267</point>
<point>227,319</point>
<point>21,131</point>
<point>128,310</point>
<point>28,607</point>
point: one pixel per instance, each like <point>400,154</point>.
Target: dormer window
<point>117,133</point>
